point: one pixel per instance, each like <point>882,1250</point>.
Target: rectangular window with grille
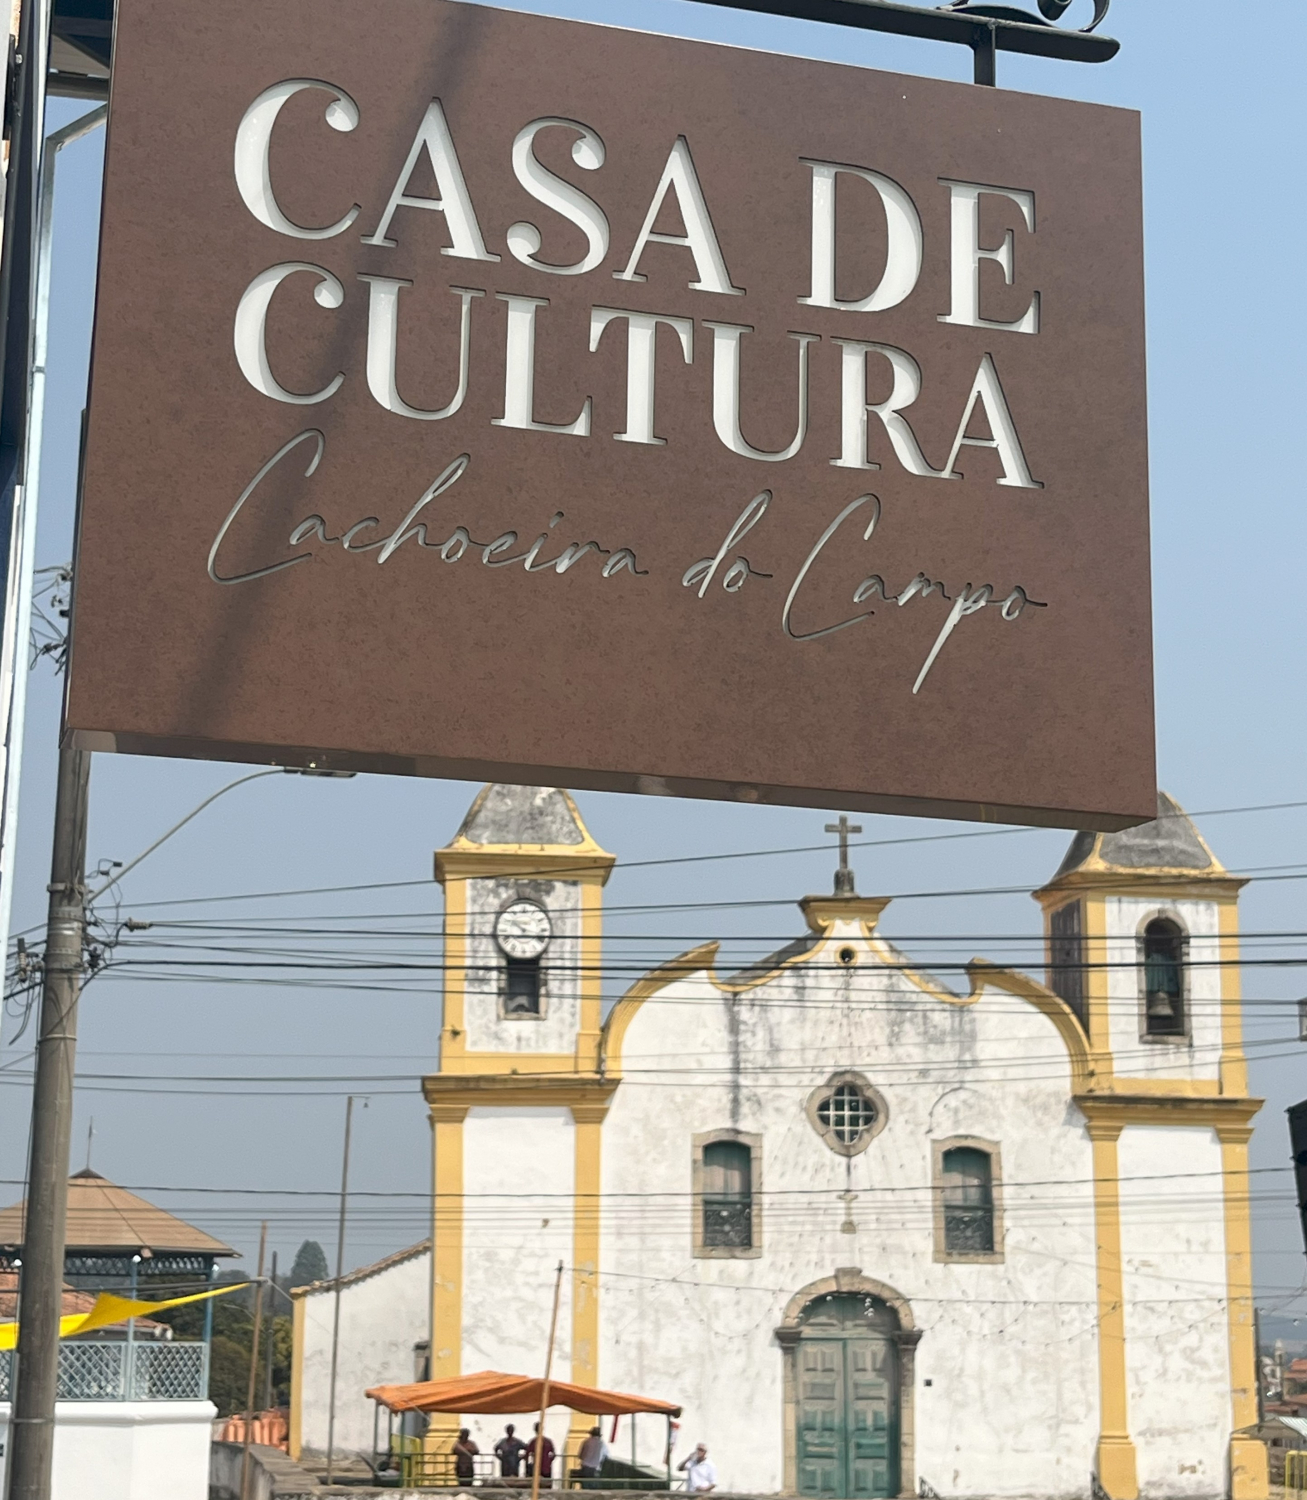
<point>1066,969</point>
<point>968,1202</point>
<point>967,1224</point>
<point>728,1194</point>
<point>727,1187</point>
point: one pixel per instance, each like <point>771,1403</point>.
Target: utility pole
<point>270,1341</point>
<point>340,1271</point>
<point>254,1365</point>
<point>31,1443</point>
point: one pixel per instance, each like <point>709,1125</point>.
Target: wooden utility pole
<point>544,1390</point>
<point>31,1447</point>
<point>271,1340</point>
<point>254,1366</point>
<point>340,1271</point>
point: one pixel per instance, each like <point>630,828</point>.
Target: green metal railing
<point>419,1469</point>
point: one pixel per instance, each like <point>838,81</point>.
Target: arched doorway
<point>849,1345</point>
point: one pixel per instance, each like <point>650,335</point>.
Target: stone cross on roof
<point>844,875</point>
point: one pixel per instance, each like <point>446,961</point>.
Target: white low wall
<point>128,1450</point>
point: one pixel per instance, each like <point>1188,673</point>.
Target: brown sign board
<point>482,395</point>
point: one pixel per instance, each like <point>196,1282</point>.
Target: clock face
<point>522,930</point>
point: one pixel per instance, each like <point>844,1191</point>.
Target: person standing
<point>592,1455</point>
<point>699,1470</point>
<point>509,1450</point>
<point>465,1450</point>
<point>546,1457</point>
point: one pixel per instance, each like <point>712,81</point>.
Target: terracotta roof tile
<point>105,1217</point>
<point>73,1302</point>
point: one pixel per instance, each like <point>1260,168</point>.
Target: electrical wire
<point>731,855</point>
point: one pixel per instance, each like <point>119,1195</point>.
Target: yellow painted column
<point>1234,1067</point>
<point>592,979</point>
<point>589,1120</point>
<point>447,1229</point>
<point>1117,1469</point>
<point>453,1032</point>
<point>295,1440</point>
<point>1093,912</point>
<point>1248,1466</point>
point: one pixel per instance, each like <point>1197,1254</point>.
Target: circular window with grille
<point>847,1112</point>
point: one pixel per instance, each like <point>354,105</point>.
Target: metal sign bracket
<point>986,28</point>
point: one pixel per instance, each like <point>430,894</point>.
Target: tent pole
<point>544,1390</point>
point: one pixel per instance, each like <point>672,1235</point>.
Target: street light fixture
<point>195,812</point>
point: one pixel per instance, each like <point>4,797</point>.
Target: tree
<point>229,1375</point>
<point>310,1264</point>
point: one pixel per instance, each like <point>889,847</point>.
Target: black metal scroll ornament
<point>987,28</point>
<point>1050,12</point>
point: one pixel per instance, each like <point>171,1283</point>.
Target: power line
<point>725,855</point>
<point>676,1195</point>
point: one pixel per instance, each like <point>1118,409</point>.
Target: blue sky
<point>1223,109</point>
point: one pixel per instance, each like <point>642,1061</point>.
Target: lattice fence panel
<point>169,1372</point>
<point>92,1372</point>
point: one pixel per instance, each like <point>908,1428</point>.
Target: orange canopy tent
<point>492,1391</point>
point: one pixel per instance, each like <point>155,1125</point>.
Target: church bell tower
<point>523,886</point>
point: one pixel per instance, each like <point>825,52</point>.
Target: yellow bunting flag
<point>109,1309</point>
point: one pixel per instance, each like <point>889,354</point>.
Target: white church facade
<point>878,1235</point>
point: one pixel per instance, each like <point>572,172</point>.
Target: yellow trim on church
<point>467,1079</point>
<point>295,1435</point>
<point>587,865</point>
<point>1116,1458</point>
<point>1234,1066</point>
<point>697,961</point>
<point>985,975</point>
<point>1111,1104</point>
<point>585,1081</point>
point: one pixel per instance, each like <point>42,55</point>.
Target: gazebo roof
<point>106,1219</point>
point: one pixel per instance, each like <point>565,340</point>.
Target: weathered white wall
<point>128,1450</point>
<point>1198,1055</point>
<point>518,1174</point>
<point>555,1029</point>
<point>1010,1349</point>
<point>381,1318</point>
<point>1177,1323</point>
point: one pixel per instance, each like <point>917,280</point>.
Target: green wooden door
<point>821,1418</point>
<point>848,1430</point>
<point>873,1436</point>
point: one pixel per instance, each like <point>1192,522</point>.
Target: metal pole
<point>18,599</point>
<point>31,1446</point>
<point>254,1366</point>
<point>340,1271</point>
<point>544,1389</point>
<point>267,1355</point>
<point>984,46</point>
<point>208,1324</point>
<point>129,1371</point>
